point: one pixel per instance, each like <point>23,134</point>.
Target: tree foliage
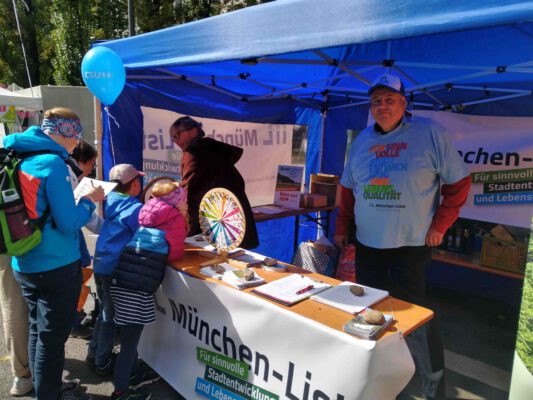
<point>57,33</point>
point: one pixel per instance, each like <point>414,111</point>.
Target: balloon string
<point>106,108</point>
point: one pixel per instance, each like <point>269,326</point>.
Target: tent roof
<point>451,55</point>
<point>8,98</point>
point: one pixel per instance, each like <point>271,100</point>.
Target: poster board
<point>265,147</point>
<point>498,152</point>
<point>288,186</point>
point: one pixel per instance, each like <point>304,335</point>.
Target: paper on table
<point>271,209</point>
<point>209,271</point>
<point>87,184</point>
<point>342,298</point>
<point>239,282</point>
<point>268,210</point>
<point>291,289</point>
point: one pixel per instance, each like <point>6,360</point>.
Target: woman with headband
<point>50,274</point>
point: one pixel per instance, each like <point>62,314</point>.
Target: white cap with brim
<point>124,173</point>
<point>388,81</point>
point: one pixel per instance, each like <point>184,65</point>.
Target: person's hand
<point>340,241</point>
<point>96,194</point>
<point>433,238</point>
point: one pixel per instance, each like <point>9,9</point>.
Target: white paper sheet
<point>340,297</point>
<point>87,184</point>
<point>291,289</point>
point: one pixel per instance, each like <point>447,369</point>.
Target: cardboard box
<point>507,255</point>
<point>324,178</point>
<point>311,200</point>
<point>327,185</point>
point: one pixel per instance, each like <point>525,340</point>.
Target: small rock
<point>270,261</point>
<point>374,317</point>
<point>357,290</point>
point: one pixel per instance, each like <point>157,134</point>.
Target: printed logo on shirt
<point>380,186</point>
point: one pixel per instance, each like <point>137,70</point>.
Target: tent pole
<point>323,114</point>
<point>98,144</point>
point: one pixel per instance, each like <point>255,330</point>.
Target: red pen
<point>305,289</point>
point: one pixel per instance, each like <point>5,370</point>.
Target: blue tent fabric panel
<point>272,28</point>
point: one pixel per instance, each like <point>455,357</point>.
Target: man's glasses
<point>176,135</point>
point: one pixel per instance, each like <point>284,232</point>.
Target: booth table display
<point>214,341</point>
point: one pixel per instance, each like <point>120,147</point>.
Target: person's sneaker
<point>21,386</point>
<point>89,360</point>
<point>144,376</point>
<point>133,394</point>
<point>76,396</point>
<point>107,368</point>
<point>68,386</point>
<point>81,332</point>
<point>90,319</point>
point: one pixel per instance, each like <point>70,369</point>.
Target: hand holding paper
<point>94,189</point>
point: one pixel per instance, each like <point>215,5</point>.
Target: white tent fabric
<point>8,98</point>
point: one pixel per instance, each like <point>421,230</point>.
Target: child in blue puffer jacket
<point>138,274</point>
<point>120,223</point>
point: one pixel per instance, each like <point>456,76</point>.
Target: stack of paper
<point>359,327</point>
<point>235,278</point>
<point>231,275</point>
<point>342,298</point>
<point>291,289</point>
<point>210,270</point>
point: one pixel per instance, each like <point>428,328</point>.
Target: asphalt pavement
<point>92,387</point>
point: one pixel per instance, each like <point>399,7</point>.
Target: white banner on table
<point>290,357</point>
<point>265,147</point>
<point>498,152</point>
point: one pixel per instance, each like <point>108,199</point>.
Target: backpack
<point>19,233</point>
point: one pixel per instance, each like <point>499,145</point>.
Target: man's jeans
<point>52,297</point>
<point>101,345</point>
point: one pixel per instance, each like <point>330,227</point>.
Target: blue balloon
<point>104,74</point>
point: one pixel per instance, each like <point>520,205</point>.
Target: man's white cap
<point>388,81</point>
<point>124,173</point>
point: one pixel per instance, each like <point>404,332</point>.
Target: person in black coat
<point>207,164</point>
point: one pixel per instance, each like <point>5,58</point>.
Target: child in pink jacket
<point>167,211</point>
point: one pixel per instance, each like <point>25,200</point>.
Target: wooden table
<point>408,316</point>
<point>321,217</point>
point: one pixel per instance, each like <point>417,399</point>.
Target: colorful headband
<point>66,127</point>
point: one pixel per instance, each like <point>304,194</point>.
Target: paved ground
<point>92,386</point>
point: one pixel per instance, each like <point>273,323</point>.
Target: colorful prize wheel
<point>222,219</point>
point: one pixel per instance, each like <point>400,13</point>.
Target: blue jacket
<point>142,263</point>
<point>45,181</point>
<point>120,223</point>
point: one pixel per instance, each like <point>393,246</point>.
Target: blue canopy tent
<point>310,62</point>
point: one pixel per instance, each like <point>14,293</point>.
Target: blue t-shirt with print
<point>396,177</point>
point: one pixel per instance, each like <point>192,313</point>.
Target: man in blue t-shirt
<point>391,186</point>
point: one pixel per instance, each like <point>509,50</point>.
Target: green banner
<point>508,175</point>
<point>222,362</point>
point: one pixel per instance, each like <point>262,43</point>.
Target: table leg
<point>296,231</point>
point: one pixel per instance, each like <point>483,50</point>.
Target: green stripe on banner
<point>222,362</point>
<point>508,175</point>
